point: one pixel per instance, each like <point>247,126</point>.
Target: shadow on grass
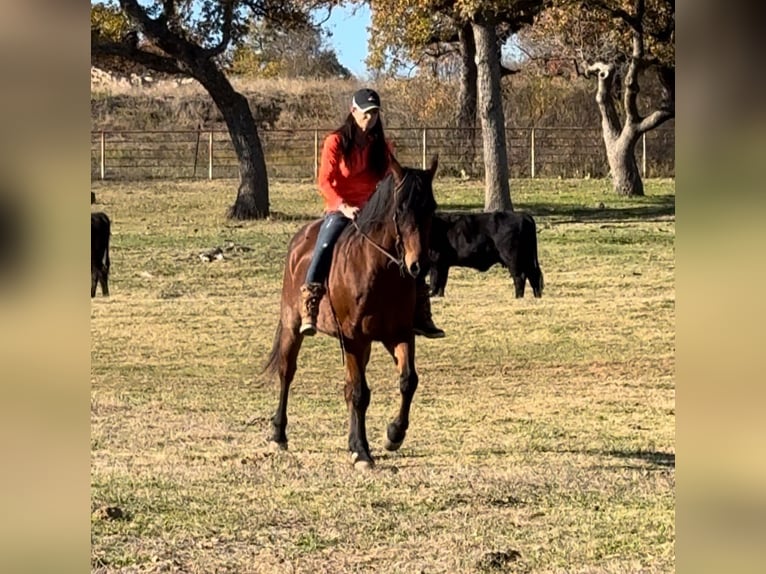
<point>659,459</point>
<point>653,208</point>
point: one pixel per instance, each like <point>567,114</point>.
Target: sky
<point>349,37</point>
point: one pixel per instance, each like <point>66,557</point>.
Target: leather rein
<point>399,244</point>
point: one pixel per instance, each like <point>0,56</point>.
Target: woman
<point>355,157</point>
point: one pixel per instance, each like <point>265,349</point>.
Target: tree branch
<point>630,97</point>
<point>226,27</point>
<point>133,54</point>
<point>609,118</point>
<point>140,18</point>
<point>158,32</point>
<point>654,120</point>
<point>169,9</point>
<point>618,13</point>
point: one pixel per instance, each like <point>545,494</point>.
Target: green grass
<point>541,436</point>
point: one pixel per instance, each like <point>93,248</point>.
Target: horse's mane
<point>380,207</point>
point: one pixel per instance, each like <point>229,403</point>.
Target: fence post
<point>210,155</point>
<point>102,161</point>
<point>643,155</point>
<point>316,154</point>
<point>196,150</point>
<point>532,152</point>
<point>424,147</point>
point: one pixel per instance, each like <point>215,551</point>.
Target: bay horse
<point>370,297</point>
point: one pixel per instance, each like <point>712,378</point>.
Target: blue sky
<point>349,37</point>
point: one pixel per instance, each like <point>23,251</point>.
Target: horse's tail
<point>272,363</point>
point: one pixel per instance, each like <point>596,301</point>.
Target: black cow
<point>100,229</point>
<point>479,240</point>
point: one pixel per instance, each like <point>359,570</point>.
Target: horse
<point>370,297</point>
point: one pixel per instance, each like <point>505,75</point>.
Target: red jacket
<point>338,182</point>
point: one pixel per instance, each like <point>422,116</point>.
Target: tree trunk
<point>621,155</point>
<point>619,140</point>
<point>183,56</point>
<point>253,194</point>
<point>466,110</point>
<point>497,194</point>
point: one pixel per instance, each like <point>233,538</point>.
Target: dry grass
<point>542,434</point>
<point>269,87</point>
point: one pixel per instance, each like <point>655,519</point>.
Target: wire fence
<point>567,152</point>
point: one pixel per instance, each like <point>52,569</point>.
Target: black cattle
<point>100,229</point>
<point>479,240</point>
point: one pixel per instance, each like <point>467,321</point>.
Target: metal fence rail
<point>294,154</point>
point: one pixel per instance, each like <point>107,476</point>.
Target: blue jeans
<point>321,259</point>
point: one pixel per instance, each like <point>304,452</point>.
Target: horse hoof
<point>391,446</point>
<point>361,464</point>
<point>275,446</point>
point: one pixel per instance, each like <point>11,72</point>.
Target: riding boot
<point>424,324</point>
<point>311,295</point>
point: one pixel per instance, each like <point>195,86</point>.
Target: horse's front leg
<point>357,394</point>
<point>404,357</point>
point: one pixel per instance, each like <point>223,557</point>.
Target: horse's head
<point>414,206</point>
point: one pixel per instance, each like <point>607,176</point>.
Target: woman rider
<point>355,157</point>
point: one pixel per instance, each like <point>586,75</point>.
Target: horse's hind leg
<point>357,394</point>
<point>287,344</point>
<point>404,357</point>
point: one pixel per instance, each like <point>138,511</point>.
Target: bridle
<point>398,260</point>
<point>399,244</point>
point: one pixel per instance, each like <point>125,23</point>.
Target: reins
<point>399,248</point>
<point>398,262</point>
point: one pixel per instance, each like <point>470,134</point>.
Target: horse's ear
<point>396,169</point>
<point>434,165</point>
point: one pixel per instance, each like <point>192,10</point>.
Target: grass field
<point>541,435</point>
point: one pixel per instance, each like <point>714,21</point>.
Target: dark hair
<point>378,148</point>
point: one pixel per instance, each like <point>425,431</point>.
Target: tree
<point>273,51</point>
<point>109,24</point>
<point>643,41</point>
<point>403,28</point>
<point>191,38</point>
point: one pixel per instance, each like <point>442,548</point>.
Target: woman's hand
<point>348,210</point>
